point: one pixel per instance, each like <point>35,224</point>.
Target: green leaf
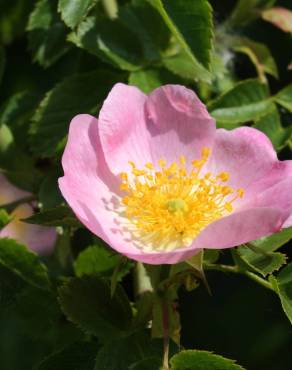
<point>73,12</point>
<point>191,24</point>
<point>96,260</point>
<point>23,263</point>
<point>110,40</point>
<point>2,62</point>
<point>246,101</point>
<point>49,193</point>
<point>11,286</point>
<point>87,302</point>
<point>283,286</point>
<point>201,360</point>
<point>76,94</point>
<point>259,54</point>
<point>125,353</point>
<point>59,216</point>
<point>247,10</point>
<point>271,125</point>
<point>149,79</point>
<point>279,17</point>
<point>284,97</point>
<point>78,356</point>
<point>275,241</point>
<point>4,218</point>
<point>261,261</point>
<point>47,33</point>
<point>151,363</point>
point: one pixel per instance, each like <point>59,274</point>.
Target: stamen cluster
<point>169,206</point>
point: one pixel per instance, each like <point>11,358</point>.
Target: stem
<point>165,323</point>
<point>236,270</point>
<point>110,8</point>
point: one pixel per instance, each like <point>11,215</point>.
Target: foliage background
<point>57,60</point>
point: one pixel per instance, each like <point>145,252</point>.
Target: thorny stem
<point>110,8</point>
<point>165,323</point>
<point>236,270</point>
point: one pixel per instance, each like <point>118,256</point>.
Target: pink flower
<point>40,239</point>
<point>156,181</point>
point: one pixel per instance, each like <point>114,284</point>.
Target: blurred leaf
<point>76,94</point>
<point>261,261</point>
<point>47,33</point>
<point>259,54</point>
<point>49,193</point>
<point>2,62</point>
<point>279,17</point>
<point>151,363</point>
<point>13,18</point>
<point>58,216</point>
<point>96,260</point>
<point>165,308</point>
<point>284,97</point>
<point>201,360</point>
<point>271,125</point>
<point>275,241</point>
<point>247,10</point>
<point>78,356</point>
<point>23,263</point>
<point>88,303</point>
<point>149,79</point>
<point>125,353</point>
<point>73,12</point>
<point>283,286</point>
<point>111,41</point>
<point>247,101</point>
<point>11,286</point>
<point>191,24</point>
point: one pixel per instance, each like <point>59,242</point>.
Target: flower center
<point>170,206</point>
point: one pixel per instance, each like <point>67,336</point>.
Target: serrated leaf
<point>275,241</point>
<point>201,360</point>
<point>284,97</point>
<point>279,17</point>
<point>261,261</point>
<point>111,41</point>
<point>246,101</point>
<point>73,12</point>
<point>24,264</point>
<point>78,356</point>
<point>11,286</point>
<point>58,216</point>
<point>47,33</point>
<point>76,94</point>
<point>121,354</point>
<point>283,286</point>
<point>271,125</point>
<point>191,24</point>
<point>87,302</point>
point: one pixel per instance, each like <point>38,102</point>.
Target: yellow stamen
<point>170,207</point>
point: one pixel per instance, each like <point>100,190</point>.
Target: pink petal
<point>240,227</point>
<point>246,153</point>
<point>122,128</point>
<point>40,239</point>
<point>179,123</point>
<point>10,193</point>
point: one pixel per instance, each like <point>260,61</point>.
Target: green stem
<point>110,8</point>
<point>236,270</point>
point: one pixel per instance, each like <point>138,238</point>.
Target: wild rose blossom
<point>156,181</point>
<point>40,239</point>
